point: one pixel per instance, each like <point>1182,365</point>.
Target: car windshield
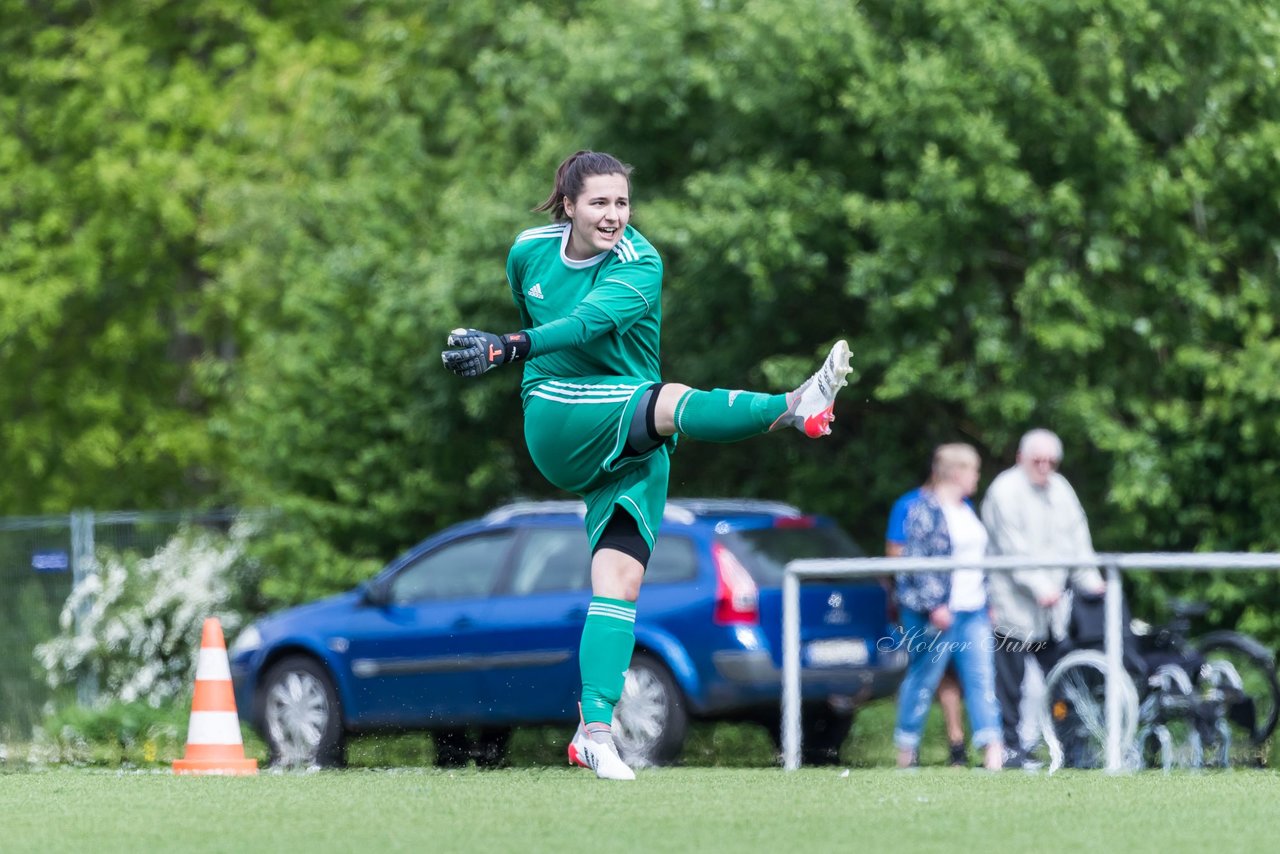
<point>765,552</point>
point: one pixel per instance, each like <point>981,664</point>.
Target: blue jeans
<point>968,643</point>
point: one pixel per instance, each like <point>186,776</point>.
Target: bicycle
<point>1211,702</point>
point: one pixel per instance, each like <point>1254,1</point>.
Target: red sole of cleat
<point>819,425</point>
<point>573,757</point>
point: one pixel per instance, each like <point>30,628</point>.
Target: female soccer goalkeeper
<point>599,420</point>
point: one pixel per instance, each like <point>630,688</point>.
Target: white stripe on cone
<point>212,665</point>
<point>214,728</point>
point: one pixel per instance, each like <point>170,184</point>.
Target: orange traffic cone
<point>213,736</point>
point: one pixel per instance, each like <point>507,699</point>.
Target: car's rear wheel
<point>453,747</point>
<point>650,721</point>
<point>301,716</point>
<point>491,746</point>
<point>823,734</point>
<point>823,730</point>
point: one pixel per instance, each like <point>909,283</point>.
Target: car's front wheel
<point>301,716</point>
<point>456,746</point>
<point>650,720</point>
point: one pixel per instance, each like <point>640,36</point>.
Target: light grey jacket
<point>1038,522</point>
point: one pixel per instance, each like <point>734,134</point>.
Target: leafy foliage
<point>113,735</point>
<point>135,624</point>
<point>239,233</point>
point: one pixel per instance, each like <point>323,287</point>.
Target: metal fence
<point>41,559</point>
<point>1112,565</point>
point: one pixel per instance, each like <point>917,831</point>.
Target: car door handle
<point>577,615</point>
<point>463,622</point>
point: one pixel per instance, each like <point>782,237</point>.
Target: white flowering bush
<point>139,619</point>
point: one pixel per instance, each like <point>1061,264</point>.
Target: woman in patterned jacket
<point>945,614</point>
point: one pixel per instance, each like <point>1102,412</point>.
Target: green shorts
<point>576,432</point>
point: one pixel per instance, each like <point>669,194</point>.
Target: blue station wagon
<point>475,631</point>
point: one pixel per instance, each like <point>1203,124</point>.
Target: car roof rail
<point>726,506</point>
<point>507,512</point>
<point>510,511</point>
<point>683,510</point>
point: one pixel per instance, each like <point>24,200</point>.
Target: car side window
<point>461,569</point>
<point>551,561</point>
<point>674,559</point>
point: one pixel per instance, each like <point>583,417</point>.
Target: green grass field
<point>676,809</point>
<point>728,796</point>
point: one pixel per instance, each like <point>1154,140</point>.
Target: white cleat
<point>601,757</point>
<point>811,406</point>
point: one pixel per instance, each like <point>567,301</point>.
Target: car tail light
<point>737,597</point>
<point>890,600</point>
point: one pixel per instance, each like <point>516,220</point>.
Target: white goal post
<point>1111,565</point>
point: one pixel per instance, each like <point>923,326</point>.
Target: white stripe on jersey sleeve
<point>543,231</point>
<point>626,250</point>
<point>629,285</point>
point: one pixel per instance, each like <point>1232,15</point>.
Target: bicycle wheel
<point>1075,712</point>
<point>1252,714</point>
<point>1172,721</point>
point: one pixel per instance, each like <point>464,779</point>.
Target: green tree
<point>104,170</point>
<point>239,235</point>
<point>1052,214</point>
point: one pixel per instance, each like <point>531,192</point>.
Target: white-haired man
<point>1031,510</point>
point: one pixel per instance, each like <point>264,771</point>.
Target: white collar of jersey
<point>573,263</point>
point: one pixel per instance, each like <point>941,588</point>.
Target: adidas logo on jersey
<point>536,291</point>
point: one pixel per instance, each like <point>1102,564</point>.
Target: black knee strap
<point>642,433</point>
<point>622,534</point>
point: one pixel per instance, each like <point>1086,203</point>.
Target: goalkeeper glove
<point>477,352</point>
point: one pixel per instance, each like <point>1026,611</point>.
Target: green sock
<point>721,415</point>
<point>608,637</point>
